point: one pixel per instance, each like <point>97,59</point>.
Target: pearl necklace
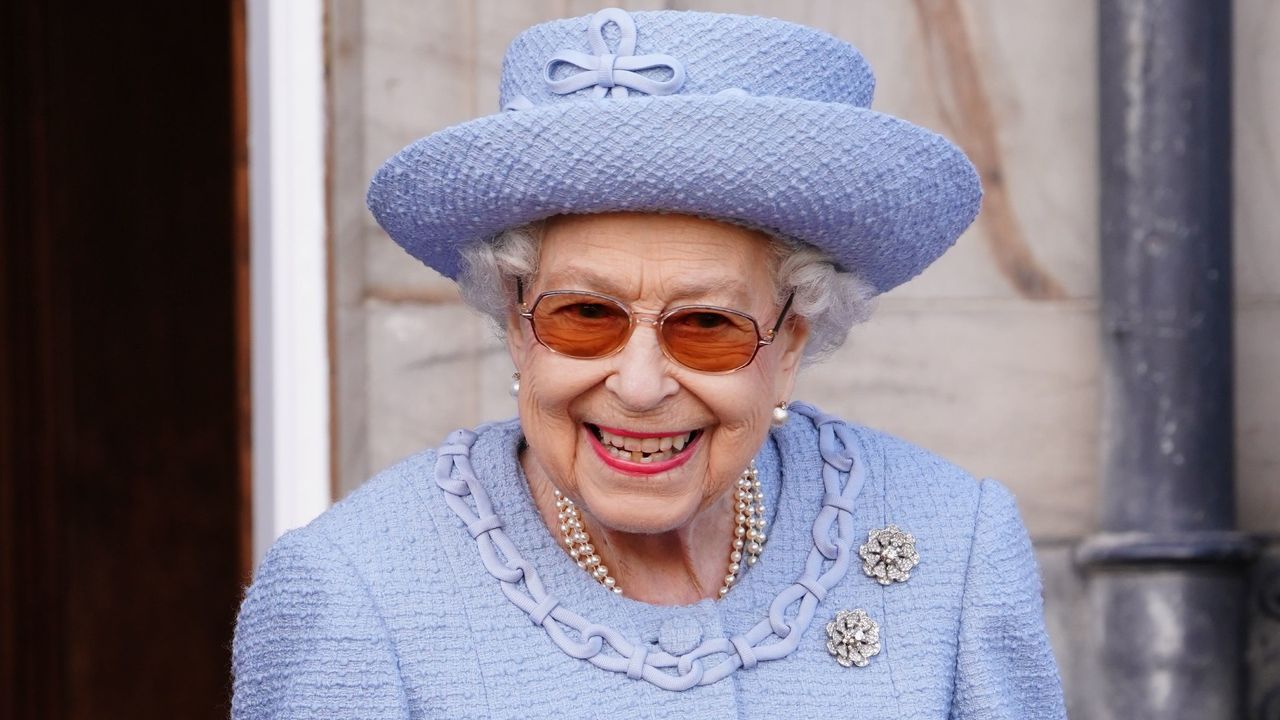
<point>748,533</point>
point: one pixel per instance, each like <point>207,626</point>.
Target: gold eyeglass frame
<point>656,320</point>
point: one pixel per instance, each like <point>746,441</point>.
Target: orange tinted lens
<point>580,325</point>
<point>709,339</point>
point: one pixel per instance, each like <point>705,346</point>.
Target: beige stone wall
<point>1257,264</point>
<point>991,358</point>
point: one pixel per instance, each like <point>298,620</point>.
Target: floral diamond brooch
<point>888,555</point>
<point>854,638</point>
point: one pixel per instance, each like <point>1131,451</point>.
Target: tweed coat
<point>383,607</point>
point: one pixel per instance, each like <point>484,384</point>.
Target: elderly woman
<point>673,214</point>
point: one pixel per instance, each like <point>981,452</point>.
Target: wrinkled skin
<point>664,537</point>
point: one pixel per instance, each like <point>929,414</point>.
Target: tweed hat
<point>756,121</point>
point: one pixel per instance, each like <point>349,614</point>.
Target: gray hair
<point>832,301</point>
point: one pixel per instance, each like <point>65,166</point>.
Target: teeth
<point>643,450</point>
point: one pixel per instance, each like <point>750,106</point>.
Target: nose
<point>641,377</point>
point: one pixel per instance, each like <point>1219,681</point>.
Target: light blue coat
<point>384,606</point>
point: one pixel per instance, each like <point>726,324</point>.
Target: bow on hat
<point>612,74</point>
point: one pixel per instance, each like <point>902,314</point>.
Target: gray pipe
<point>1165,575</point>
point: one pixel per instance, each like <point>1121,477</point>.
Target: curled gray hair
<point>830,300</point>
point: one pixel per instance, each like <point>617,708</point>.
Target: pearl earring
<point>515,384</point>
<point>781,414</point>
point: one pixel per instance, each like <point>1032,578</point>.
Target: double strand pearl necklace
<point>748,533</point>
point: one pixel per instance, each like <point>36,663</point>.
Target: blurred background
<point>205,339</point>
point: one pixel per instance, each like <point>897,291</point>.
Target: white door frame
<point>288,278</point>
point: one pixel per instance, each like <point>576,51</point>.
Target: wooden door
<point>123,397</point>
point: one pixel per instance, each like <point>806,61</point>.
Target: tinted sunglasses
<point>587,325</point>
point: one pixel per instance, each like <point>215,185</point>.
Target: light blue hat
<point>757,121</point>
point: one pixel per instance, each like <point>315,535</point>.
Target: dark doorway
<point>123,397</point>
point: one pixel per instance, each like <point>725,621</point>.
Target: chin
<point>638,513</point>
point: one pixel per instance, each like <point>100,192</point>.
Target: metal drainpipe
<point>1165,576</point>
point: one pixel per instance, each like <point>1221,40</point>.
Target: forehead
<point>659,256</point>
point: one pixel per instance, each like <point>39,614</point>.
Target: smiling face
<point>643,444</point>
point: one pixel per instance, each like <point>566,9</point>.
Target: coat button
<point>679,635</point>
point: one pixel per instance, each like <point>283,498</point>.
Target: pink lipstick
<point>631,467</point>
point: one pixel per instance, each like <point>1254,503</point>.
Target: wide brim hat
<point>756,121</point>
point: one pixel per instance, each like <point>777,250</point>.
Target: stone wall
<point>991,358</point>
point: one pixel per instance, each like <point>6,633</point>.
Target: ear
<point>793,338</point>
